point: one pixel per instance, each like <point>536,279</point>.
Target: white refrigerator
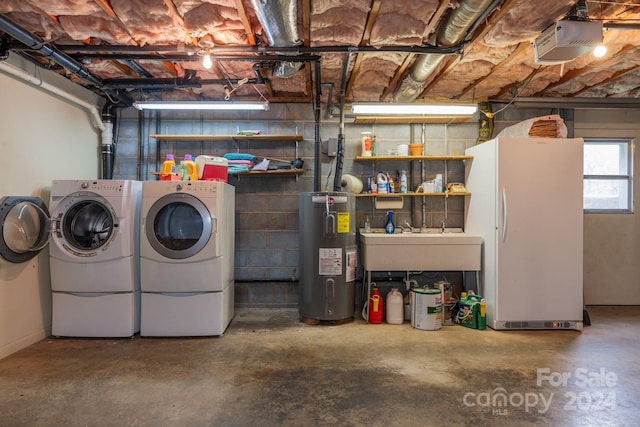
<point>526,203</point>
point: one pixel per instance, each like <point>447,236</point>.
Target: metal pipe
<point>37,44</point>
<point>337,178</point>
<point>158,51</point>
<point>180,57</point>
<point>107,148</point>
<point>317,140</point>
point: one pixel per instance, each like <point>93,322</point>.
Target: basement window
<point>608,175</point>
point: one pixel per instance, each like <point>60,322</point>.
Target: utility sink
<point>428,250</point>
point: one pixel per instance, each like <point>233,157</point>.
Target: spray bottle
<point>390,228</point>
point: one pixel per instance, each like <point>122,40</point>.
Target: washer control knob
<point>84,185</point>
<point>179,187</point>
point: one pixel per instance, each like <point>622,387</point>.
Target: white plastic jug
<point>382,182</point>
<point>395,307</point>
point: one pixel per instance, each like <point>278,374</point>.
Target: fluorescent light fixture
<point>382,109</point>
<point>200,105</point>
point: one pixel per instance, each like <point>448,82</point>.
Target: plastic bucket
<point>415,149</point>
<point>211,168</point>
<point>426,308</point>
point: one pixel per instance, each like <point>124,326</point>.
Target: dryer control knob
<point>84,185</point>
<point>179,187</point>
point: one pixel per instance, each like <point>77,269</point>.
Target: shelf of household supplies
<point>413,194</point>
<point>271,137</point>
<point>447,157</point>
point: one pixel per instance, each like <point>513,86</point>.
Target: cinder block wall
<point>266,258</point>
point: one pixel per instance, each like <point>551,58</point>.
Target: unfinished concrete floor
<point>271,370</point>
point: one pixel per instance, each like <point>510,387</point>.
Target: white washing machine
<point>187,258</point>
<point>92,229</point>
<point>94,257</point>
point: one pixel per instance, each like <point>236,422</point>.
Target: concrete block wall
<point>266,258</point>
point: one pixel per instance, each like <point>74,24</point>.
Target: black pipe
<point>317,141</point>
<point>37,44</point>
<point>448,50</point>
<point>337,179</point>
<point>138,69</point>
<point>180,57</point>
<point>107,149</point>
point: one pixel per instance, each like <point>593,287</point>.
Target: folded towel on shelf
<point>241,162</point>
<point>237,169</point>
<point>240,156</point>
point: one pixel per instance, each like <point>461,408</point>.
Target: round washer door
<point>25,228</point>
<point>178,226</point>
<point>84,223</point>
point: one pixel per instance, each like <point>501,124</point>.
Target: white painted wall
<point>612,241</point>
<point>42,138</point>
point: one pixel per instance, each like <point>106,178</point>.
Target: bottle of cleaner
<point>382,182</point>
<point>375,306</point>
<point>390,228</point>
<point>367,226</point>
<point>169,165</point>
<point>394,307</point>
<point>403,181</point>
<point>437,183</point>
<point>192,170</point>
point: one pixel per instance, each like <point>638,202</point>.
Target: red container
<point>376,305</point>
<point>212,168</point>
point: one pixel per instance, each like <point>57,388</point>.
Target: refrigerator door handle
<point>504,215</point>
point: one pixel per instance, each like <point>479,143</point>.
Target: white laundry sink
<point>429,250</point>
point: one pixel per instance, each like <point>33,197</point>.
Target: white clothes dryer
<point>94,257</point>
<point>187,258</point>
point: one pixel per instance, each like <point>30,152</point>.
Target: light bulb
<point>206,61</point>
<point>600,51</point>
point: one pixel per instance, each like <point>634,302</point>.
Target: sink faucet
<point>409,227</point>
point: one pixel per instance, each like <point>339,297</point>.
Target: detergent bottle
<point>191,169</point>
<point>376,305</point>
<point>169,165</point>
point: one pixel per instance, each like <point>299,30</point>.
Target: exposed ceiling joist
<point>105,40</point>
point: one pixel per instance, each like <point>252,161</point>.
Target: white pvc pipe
<point>93,111</point>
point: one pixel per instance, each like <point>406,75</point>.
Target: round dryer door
<point>25,228</point>
<point>85,223</point>
<point>178,226</point>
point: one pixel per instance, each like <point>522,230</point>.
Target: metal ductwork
<point>279,23</point>
<point>452,32</point>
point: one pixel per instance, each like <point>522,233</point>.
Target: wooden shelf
<point>258,137</point>
<point>413,194</point>
<point>401,158</point>
<point>270,172</point>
